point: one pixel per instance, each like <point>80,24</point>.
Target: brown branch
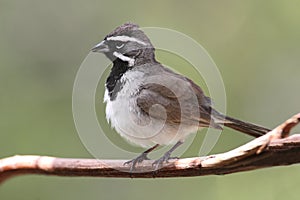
<point>272,149</point>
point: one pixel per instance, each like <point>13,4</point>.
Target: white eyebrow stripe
<point>125,38</point>
<point>124,58</point>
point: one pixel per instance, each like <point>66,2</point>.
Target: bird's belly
<point>138,128</point>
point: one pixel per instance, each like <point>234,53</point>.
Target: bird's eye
<point>119,46</point>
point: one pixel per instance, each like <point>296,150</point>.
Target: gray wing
<point>183,101</point>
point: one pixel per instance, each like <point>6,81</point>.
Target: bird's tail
<point>245,127</point>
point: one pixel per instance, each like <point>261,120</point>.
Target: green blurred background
<point>255,44</point>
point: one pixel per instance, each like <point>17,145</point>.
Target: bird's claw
<point>165,158</point>
<point>136,161</point>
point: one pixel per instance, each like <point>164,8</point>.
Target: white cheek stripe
<point>124,38</point>
<point>124,58</point>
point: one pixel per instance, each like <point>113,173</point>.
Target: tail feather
<point>245,127</point>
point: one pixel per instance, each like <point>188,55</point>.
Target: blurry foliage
<point>255,44</point>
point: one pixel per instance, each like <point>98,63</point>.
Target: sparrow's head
<point>127,43</point>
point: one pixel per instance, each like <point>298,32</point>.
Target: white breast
<point>126,117</point>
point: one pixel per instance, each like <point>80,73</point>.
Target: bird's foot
<point>165,158</point>
<point>136,161</point>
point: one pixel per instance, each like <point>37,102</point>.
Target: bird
<point>150,105</point>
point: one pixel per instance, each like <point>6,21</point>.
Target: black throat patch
<point>113,81</point>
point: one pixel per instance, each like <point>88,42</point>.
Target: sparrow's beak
<point>101,47</point>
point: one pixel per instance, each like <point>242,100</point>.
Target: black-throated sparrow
<point>150,105</point>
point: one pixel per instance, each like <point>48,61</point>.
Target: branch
<point>273,149</point>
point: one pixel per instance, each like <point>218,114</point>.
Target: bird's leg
<point>166,157</point>
<point>140,158</point>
